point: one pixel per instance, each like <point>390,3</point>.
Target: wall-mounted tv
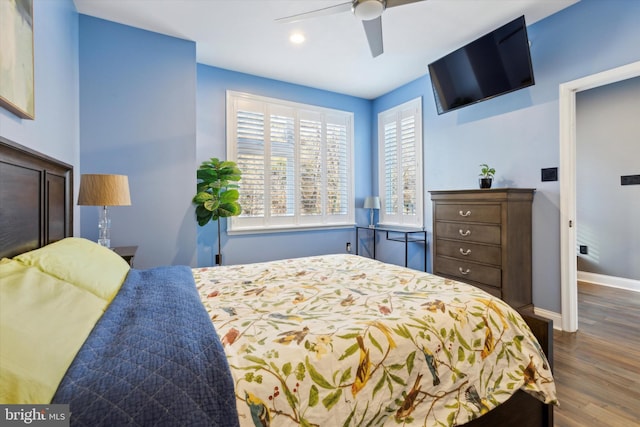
<point>494,64</point>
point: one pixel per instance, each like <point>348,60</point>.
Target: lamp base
<point>104,227</point>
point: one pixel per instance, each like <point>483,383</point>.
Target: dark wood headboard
<point>36,199</point>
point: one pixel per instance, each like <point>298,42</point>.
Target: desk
<point>397,234</point>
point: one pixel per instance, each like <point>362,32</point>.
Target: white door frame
<point>567,101</point>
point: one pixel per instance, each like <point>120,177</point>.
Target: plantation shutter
<point>409,164</point>
<point>311,160</point>
<point>400,159</point>
<point>282,165</point>
<point>391,168</point>
<point>337,169</point>
<point>250,160</point>
<point>296,163</point>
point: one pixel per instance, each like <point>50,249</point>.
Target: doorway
<point>567,106</point>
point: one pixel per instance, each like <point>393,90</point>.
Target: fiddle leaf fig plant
<point>217,194</point>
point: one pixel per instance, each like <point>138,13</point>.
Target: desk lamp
<point>371,203</point>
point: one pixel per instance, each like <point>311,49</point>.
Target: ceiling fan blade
<point>373,29</point>
<point>394,3</point>
<point>330,10</point>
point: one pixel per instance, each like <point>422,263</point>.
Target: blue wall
<point>138,96</point>
<point>138,118</point>
<point>518,133</point>
<point>389,251</point>
<point>54,131</point>
<point>212,86</point>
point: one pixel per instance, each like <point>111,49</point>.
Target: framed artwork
<point>16,58</point>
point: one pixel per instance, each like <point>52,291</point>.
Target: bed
<point>331,340</point>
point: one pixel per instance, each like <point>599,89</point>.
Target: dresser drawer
<point>468,212</point>
<point>469,251</point>
<point>469,271</point>
<point>468,232</point>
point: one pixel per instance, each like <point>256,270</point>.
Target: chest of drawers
<point>483,237</point>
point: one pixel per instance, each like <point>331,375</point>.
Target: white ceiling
<point>242,35</point>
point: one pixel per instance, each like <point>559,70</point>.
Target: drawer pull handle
<point>465,253</point>
<point>465,214</point>
<point>464,233</point>
<point>464,272</point>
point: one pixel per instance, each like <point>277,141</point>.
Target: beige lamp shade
<point>104,190</point>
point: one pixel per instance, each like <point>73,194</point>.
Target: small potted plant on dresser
<point>486,175</point>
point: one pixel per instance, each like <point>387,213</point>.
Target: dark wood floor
<point>597,369</point>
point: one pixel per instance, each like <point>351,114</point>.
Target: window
<point>400,164</point>
<point>296,163</point>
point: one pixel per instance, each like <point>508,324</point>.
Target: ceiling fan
<point>368,11</point>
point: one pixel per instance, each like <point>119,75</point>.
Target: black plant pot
<point>485,182</point>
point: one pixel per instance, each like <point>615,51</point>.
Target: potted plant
<point>217,194</point>
<point>486,175</point>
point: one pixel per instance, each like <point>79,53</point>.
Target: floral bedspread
<point>342,340</point>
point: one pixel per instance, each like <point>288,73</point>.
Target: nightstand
<point>126,252</point>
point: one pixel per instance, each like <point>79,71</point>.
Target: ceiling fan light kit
<point>366,10</point>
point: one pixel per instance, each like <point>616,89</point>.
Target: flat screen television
<point>494,64</point>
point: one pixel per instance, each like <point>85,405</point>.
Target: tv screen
<point>494,64</point>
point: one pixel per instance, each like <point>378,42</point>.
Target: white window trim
<point>268,224</point>
<point>413,107</point>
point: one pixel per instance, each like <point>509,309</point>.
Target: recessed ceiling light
<point>297,38</point>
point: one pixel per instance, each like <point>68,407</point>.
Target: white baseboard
<point>611,281</point>
<point>555,317</point>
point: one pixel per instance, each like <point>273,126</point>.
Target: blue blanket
<point>153,359</point>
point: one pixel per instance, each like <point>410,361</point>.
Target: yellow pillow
<point>43,323</point>
<point>81,262</point>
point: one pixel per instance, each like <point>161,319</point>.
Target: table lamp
<point>104,190</point>
<point>371,203</point>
